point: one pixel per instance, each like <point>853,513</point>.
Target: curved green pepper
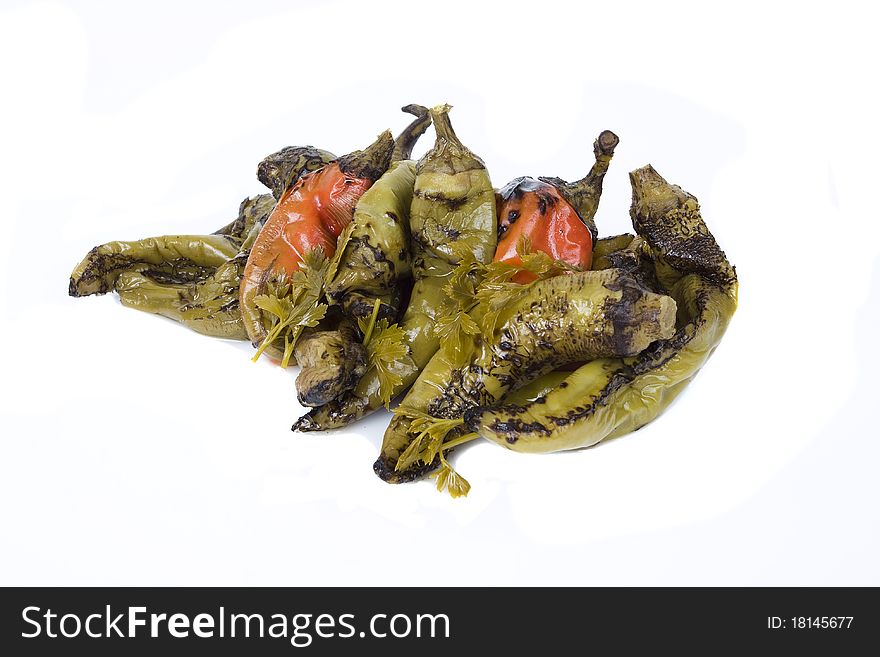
<point>192,279</point>
<point>452,216</point>
<point>553,322</point>
<point>171,258</point>
<point>209,306</point>
<point>609,397</point>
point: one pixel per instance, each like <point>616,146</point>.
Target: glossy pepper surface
<point>556,217</point>
<point>610,397</point>
<point>552,322</point>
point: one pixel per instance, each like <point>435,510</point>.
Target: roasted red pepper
<point>309,215</point>
<point>556,216</point>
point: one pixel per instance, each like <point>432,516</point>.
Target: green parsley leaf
<point>294,303</point>
<point>387,351</point>
<point>450,481</point>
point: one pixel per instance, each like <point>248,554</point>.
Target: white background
<point>136,452</point>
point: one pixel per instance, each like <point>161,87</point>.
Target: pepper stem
<point>403,145</point>
<point>371,162</point>
<point>584,194</point>
<point>442,125</point>
<point>449,155</point>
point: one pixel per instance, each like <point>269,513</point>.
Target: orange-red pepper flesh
<point>310,214</point>
<point>536,210</point>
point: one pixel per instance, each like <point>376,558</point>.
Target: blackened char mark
<point>386,472</point>
<point>438,197</point>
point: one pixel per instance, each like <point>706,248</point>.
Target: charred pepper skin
<point>170,258</point>
<point>562,320</point>
<point>557,217</point>
<point>179,277</point>
<point>452,212</point>
<point>332,362</point>
<point>406,140</point>
<point>453,209</point>
<point>310,214</point>
<point>281,170</point>
<point>209,307</point>
<point>584,194</point>
<point>610,397</point>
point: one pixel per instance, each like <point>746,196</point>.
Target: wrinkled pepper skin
<point>544,211</point>
<point>281,170</point>
<point>209,307</point>
<point>331,363</point>
<point>583,195</point>
<point>452,212</point>
<point>170,258</point>
<point>561,320</point>
<point>179,277</point>
<point>609,397</point>
<point>310,214</point>
<point>536,210</point>
<point>374,259</point>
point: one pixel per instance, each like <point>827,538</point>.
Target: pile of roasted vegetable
<point>499,313</point>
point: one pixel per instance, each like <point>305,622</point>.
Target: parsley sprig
<point>476,294</point>
<point>429,443</point>
<point>294,303</point>
<point>386,351</point>
<point>455,328</point>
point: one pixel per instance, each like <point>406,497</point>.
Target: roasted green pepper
<point>372,258</point>
<point>209,307</point>
<point>170,258</point>
<point>544,325</point>
<point>452,217</point>
<point>331,362</point>
<point>609,397</point>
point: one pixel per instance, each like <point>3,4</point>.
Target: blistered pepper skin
<point>609,397</point>
<point>557,217</point>
<point>176,258</point>
<point>331,363</point>
<point>536,210</point>
<point>562,320</point>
